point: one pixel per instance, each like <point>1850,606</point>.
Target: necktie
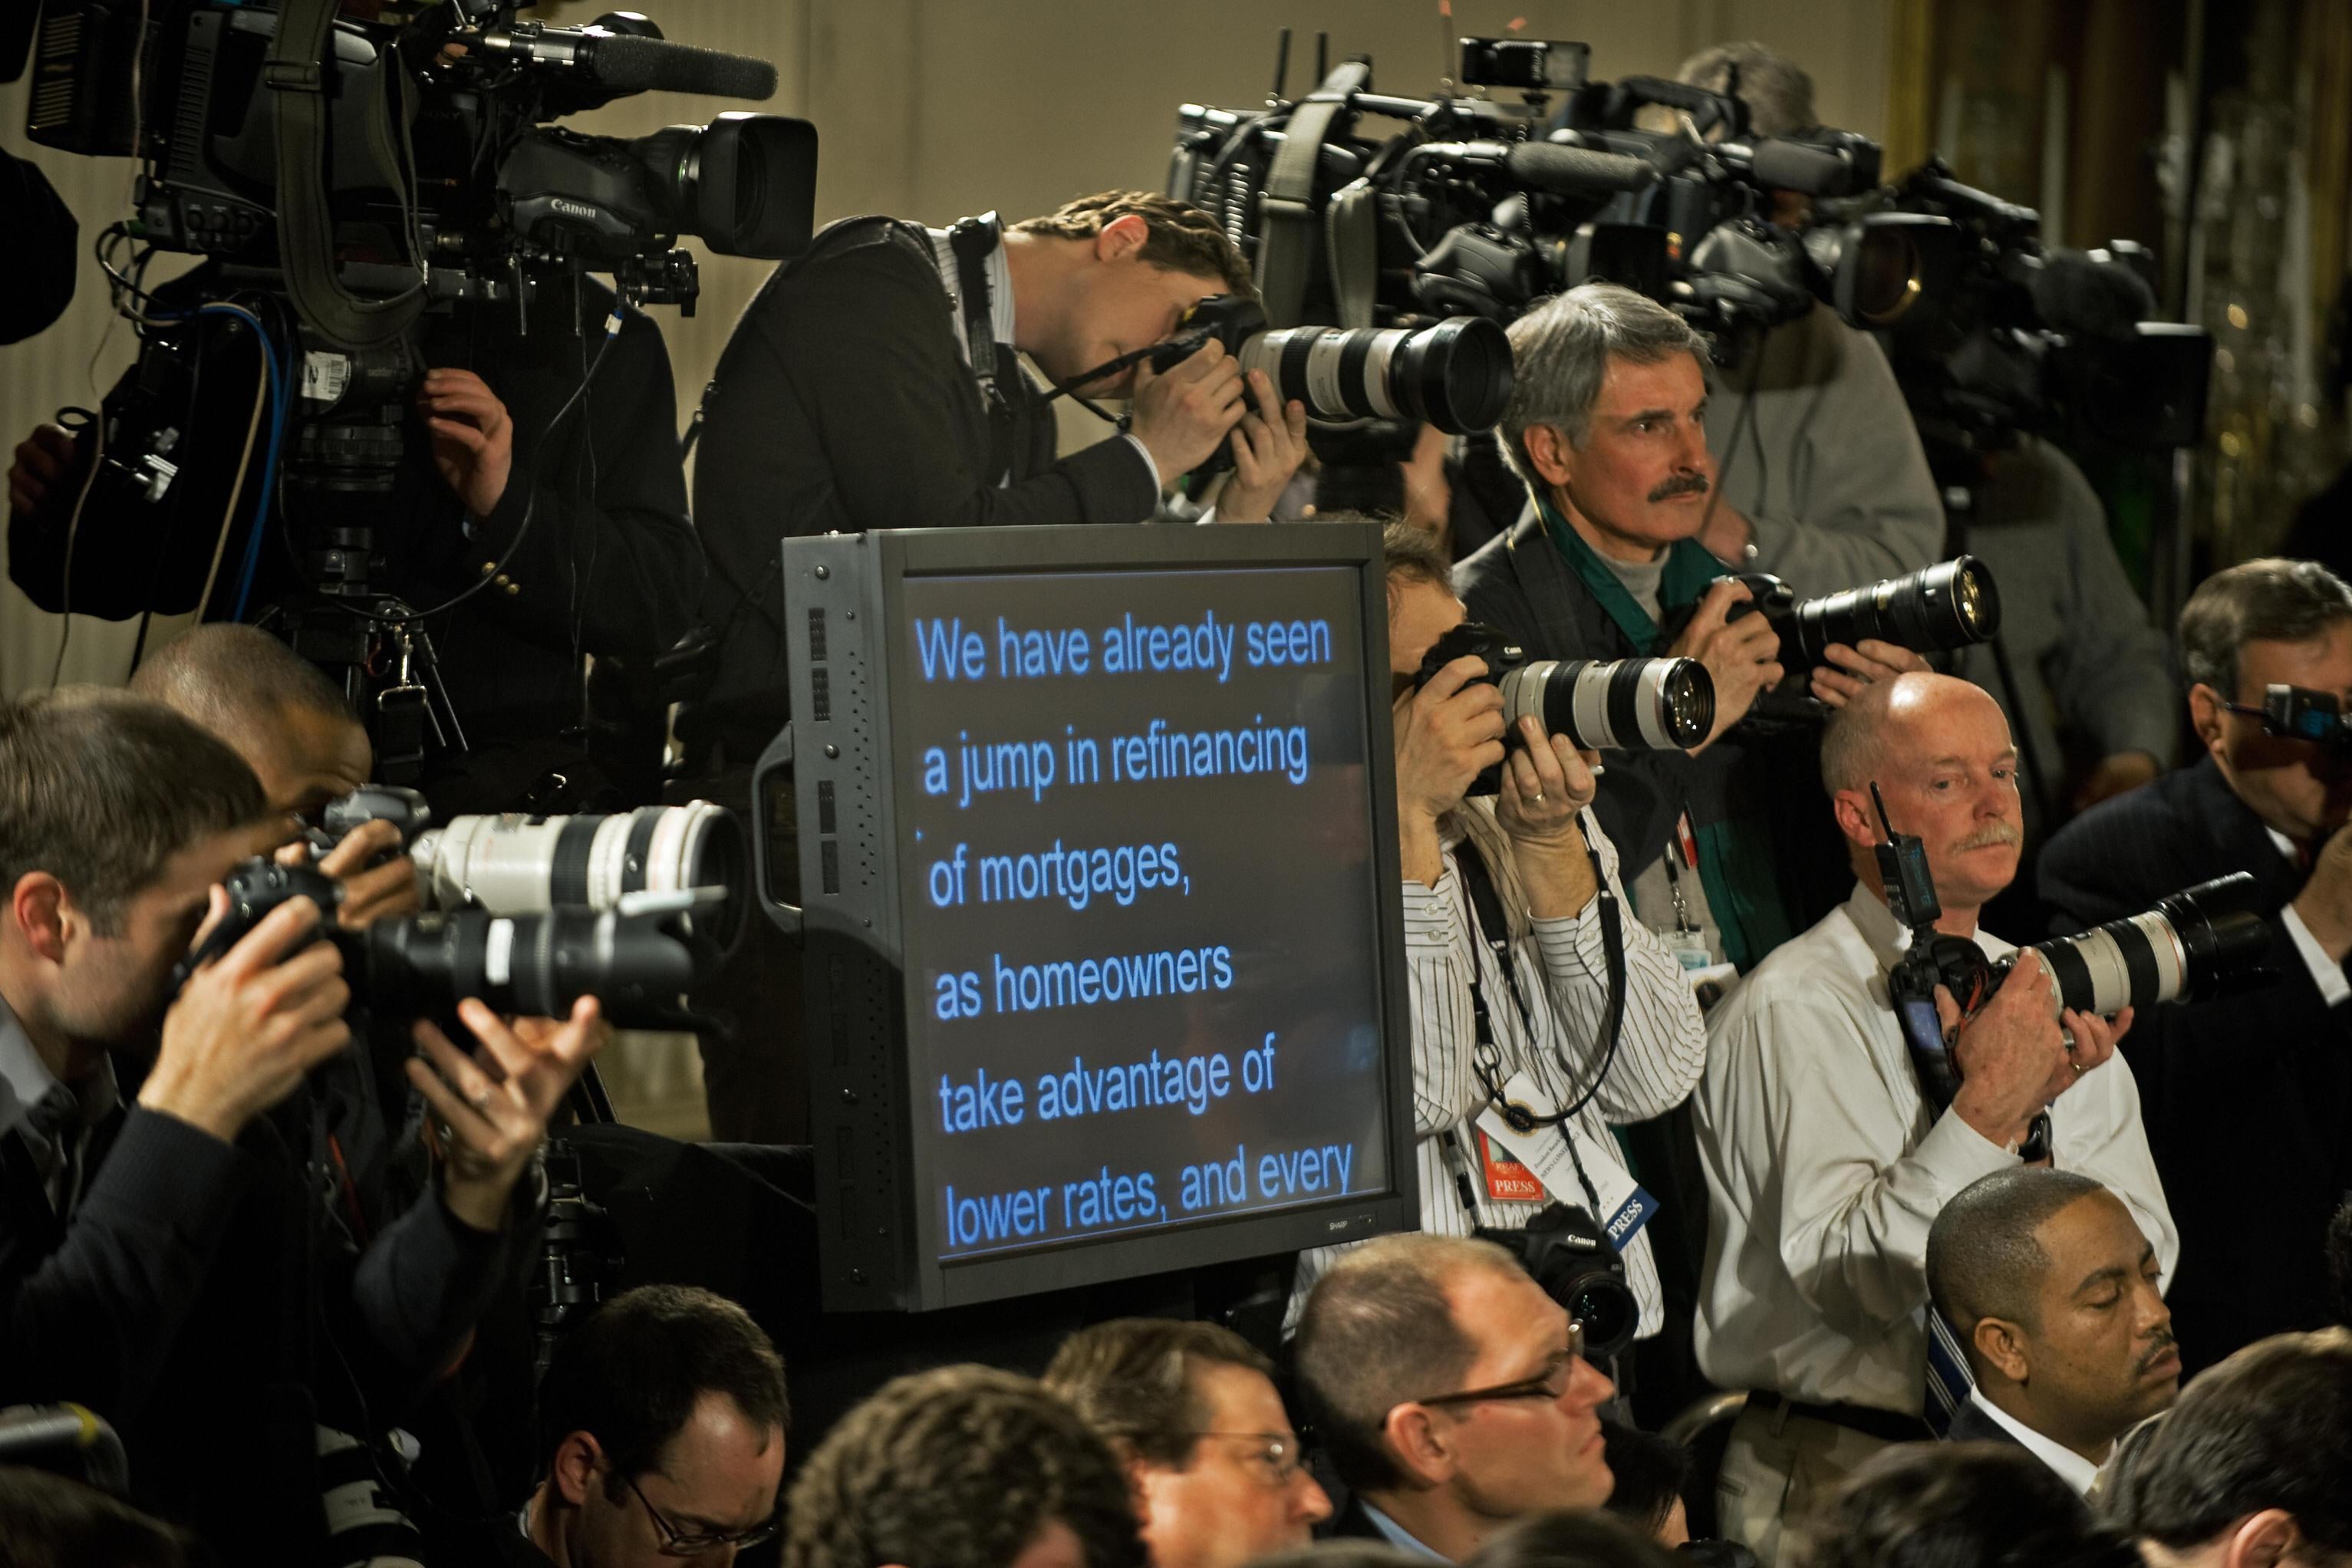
<point>52,1130</point>
<point>1948,1382</point>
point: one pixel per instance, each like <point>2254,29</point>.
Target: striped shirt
<point>1562,970</point>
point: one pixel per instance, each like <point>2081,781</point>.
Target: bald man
<point>297,732</point>
<point>1824,1164</point>
<point>2052,1290</point>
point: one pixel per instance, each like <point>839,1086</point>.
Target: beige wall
<point>931,108</point>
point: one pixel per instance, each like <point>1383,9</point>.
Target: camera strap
<point>1483,907</point>
<point>972,241</point>
<point>301,107</point>
<point>1290,227</point>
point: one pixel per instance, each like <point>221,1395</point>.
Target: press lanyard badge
<point>1507,1181</point>
<point>1625,1206</point>
<point>1687,941</point>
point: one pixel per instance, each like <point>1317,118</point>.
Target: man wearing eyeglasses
<point>662,1419</point>
<point>1451,1393</point>
<point>1191,1412</point>
<point>2248,1099</point>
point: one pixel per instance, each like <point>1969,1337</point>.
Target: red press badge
<point>1687,841</point>
<point>1507,1181</point>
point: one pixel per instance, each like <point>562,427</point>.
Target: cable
<point>264,385</point>
<point>280,417</point>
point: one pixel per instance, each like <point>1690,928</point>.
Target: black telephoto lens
<point>1950,604</point>
<point>2198,943</point>
<point>537,965</point>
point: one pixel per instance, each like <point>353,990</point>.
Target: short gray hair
<point>1778,95</point>
<point>1560,352</point>
<point>2271,600</point>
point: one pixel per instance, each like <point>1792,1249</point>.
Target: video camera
<point>1601,705</point>
<point>2025,336</point>
<point>348,181</point>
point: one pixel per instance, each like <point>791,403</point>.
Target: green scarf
<point>1735,864</point>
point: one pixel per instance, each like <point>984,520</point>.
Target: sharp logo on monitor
<point>1101,899</point>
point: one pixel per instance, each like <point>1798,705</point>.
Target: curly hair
<point>960,1467</point>
<point>1182,237</point>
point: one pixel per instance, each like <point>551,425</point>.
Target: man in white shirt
<point>1542,980</point>
<point>2051,1288</point>
<point>1825,1165</point>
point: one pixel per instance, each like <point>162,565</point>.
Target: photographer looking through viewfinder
<point>155,1235</point>
<point>875,383</point>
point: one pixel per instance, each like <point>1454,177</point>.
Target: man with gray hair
<point>1451,1393</point>
<point>2251,1094</point>
<point>1826,1163</point>
<point>2051,1289</point>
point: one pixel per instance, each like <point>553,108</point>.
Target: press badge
<point>1625,1208</point>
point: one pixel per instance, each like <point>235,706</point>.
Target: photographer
<point>2252,1094</point>
<point>1529,999</point>
<point>297,733</point>
<point>202,1269</point>
<point>579,526</point>
<point>1826,1163</point>
<point>1825,483</point>
<point>1606,428</point>
<point>848,398</point>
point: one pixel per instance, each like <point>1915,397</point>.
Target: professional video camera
<point>1601,705</point>
<point>2026,337</point>
<point>347,180</point>
<point>1564,1250</point>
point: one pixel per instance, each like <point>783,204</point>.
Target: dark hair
<point>1982,1258</point>
<point>49,1522</point>
<point>631,1373</point>
<point>1182,237</point>
<point>100,789</point>
<point>1650,1471</point>
<point>1378,1330</point>
<point>1132,1380</point>
<point>1957,1505</point>
<point>2271,600</point>
<point>960,1467</point>
<point>1566,1538</point>
<point>228,677</point>
<point>1413,555</point>
<point>2270,1427</point>
<point>1777,92</point>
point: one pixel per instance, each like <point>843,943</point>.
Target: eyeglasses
<point>677,1542</point>
<point>1548,1384</point>
<point>1276,1453</point>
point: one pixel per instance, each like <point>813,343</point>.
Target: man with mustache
<point>1825,1164</point>
<point>2051,1288</point>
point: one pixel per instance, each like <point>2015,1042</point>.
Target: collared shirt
<point>1403,1539</point>
<point>1001,321</point>
<point>24,1081</point>
<point>1824,1170</point>
<point>1562,970</point>
<point>2325,972</point>
<point>2073,1468</point>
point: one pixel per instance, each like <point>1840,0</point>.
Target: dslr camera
<point>2299,713</point>
<point>1601,705</point>
<point>1563,1250</point>
<point>1940,608</point>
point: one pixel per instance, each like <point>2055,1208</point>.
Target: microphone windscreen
<point>1799,166</point>
<point>2073,293</point>
<point>1577,171</point>
<point>656,65</point>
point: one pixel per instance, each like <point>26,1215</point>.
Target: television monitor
<point>1099,888</point>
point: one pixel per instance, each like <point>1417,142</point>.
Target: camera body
<point>1599,705</point>
<point>2299,713</point>
<point>1563,1249</point>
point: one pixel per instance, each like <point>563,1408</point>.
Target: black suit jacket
<point>2246,1099</point>
<point>1352,1523</point>
<point>1971,1424</point>
<point>844,403</point>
